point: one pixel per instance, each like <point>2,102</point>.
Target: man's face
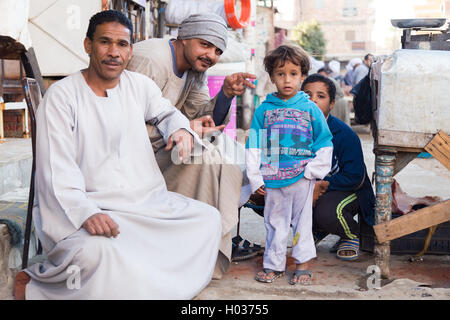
<point>200,54</point>
<point>110,50</point>
<point>368,61</point>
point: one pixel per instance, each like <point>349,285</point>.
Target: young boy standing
<point>288,148</point>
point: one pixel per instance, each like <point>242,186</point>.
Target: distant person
<point>346,190</point>
<point>297,151</point>
<point>351,65</point>
<point>341,108</point>
<point>362,69</point>
<point>325,71</point>
<point>335,67</point>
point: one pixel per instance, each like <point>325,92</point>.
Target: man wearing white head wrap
<point>351,65</point>
<point>335,67</point>
<point>178,67</point>
<point>206,26</point>
<point>360,71</point>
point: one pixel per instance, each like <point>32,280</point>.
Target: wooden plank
<point>439,147</point>
<point>412,222</point>
<point>408,140</point>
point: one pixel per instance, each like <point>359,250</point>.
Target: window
<point>350,35</point>
<point>319,4</point>
<point>350,9</point>
<point>358,45</point>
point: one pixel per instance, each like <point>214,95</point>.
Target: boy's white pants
<point>291,205</point>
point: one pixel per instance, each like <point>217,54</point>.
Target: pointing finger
<point>247,75</point>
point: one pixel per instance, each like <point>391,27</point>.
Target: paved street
<point>335,279</point>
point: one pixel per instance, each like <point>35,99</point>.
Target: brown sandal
<point>298,273</point>
<point>276,275</point>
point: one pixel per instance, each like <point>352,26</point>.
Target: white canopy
<point>14,20</point>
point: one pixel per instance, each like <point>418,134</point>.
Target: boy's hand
<point>261,191</point>
<point>319,189</point>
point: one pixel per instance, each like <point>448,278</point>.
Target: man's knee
<point>92,248</point>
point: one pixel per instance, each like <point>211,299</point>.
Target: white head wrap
<point>207,26</point>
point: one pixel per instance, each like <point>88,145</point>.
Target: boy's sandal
<point>348,245</point>
<point>276,275</point>
<point>298,274</point>
<point>244,249</point>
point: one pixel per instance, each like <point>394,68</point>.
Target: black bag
<point>362,101</point>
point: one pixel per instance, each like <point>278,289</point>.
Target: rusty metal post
<point>384,168</point>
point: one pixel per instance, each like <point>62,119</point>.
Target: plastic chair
<point>33,97</point>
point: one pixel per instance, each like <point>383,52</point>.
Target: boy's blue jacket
<point>348,171</point>
<point>289,133</point>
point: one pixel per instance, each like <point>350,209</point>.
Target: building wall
<point>347,25</point>
<point>12,124</point>
<point>265,35</point>
<point>353,28</point>
<point>430,9</point>
<point>288,12</point>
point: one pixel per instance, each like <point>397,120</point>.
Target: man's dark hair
<point>367,56</point>
<point>280,55</point>
<point>325,69</point>
<point>108,16</point>
<point>316,77</point>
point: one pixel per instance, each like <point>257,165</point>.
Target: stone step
<point>16,195</point>
<point>15,164</point>
<point>6,274</point>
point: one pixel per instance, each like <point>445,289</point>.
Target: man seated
<point>108,230</point>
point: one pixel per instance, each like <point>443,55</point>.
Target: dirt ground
<point>428,279</point>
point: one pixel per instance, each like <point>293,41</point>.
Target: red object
<point>230,11</point>
<point>402,203</point>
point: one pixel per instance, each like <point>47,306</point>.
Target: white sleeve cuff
<point>319,167</point>
<point>252,163</point>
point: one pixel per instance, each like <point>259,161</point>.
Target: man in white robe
<point>178,67</point>
<point>109,231</point>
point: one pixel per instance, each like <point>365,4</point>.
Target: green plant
<point>310,37</point>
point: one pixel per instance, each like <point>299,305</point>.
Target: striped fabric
<point>340,217</point>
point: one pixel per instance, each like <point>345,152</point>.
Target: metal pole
<point>384,168</point>
<point>247,99</point>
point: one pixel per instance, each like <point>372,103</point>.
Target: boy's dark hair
<point>283,53</point>
<point>316,77</point>
<point>108,16</point>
